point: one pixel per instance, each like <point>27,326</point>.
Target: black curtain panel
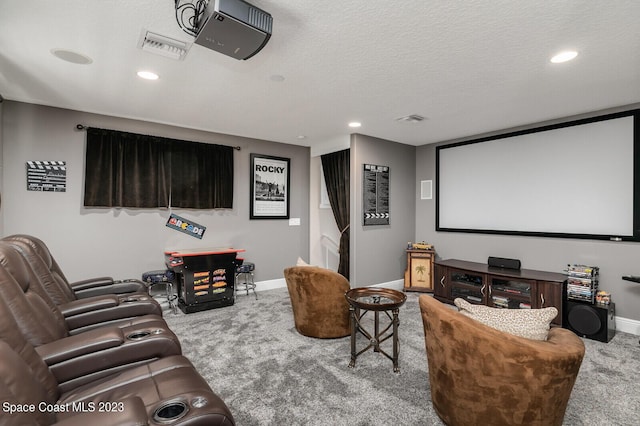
<point>201,176</point>
<point>336,168</point>
<point>130,170</point>
<point>125,170</point>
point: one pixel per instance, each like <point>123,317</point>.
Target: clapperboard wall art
<point>47,176</point>
<point>375,190</point>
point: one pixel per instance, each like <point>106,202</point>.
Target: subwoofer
<point>592,321</point>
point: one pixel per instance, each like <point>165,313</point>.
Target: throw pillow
<point>301,262</point>
<point>528,323</point>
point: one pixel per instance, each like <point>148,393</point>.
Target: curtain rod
<point>83,127</point>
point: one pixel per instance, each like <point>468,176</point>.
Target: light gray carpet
<point>268,374</point>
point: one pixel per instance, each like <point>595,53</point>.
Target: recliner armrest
<point>90,304</point>
<point>106,285</point>
<point>89,356</point>
<point>91,283</point>
<point>98,311</point>
<point>80,344</point>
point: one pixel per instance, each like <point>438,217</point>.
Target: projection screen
<point>570,180</point>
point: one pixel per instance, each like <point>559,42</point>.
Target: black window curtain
<point>130,170</point>
<point>197,171</point>
<point>336,169</point>
<point>125,170</point>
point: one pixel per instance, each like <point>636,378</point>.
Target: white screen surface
<point>569,180</point>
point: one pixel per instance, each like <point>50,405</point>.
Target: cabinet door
<point>468,285</point>
<point>511,292</point>
<point>421,271</point>
<point>440,286</point>
<point>550,294</point>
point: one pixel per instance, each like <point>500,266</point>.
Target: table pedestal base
<point>377,337</point>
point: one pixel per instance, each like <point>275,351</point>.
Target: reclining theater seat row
<point>134,363</point>
<point>35,247</point>
<point>84,356</point>
<point>166,391</point>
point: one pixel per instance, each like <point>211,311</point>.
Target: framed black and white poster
<point>47,176</point>
<point>375,193</point>
<point>269,187</point>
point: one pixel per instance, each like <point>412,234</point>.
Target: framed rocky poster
<point>269,187</point>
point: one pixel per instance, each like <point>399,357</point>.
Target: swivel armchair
<point>479,375</point>
<point>317,298</point>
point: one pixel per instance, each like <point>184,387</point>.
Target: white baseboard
<point>271,284</point>
<point>395,285</point>
<point>627,325</point>
<point>281,283</point>
<point>624,325</point>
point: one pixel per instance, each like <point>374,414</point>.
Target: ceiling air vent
<point>163,46</point>
<point>413,118</point>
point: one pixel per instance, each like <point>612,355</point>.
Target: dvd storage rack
<point>582,282</point>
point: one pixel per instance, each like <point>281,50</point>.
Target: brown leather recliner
<point>39,255</point>
<point>80,314</point>
<point>130,371</point>
<point>320,308</point>
<point>479,375</point>
<point>166,391</point>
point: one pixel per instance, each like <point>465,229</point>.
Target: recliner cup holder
<point>130,299</point>
<point>137,335</point>
<point>170,412</point>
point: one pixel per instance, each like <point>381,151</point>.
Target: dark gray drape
<point>125,170</point>
<point>336,169</point>
<point>201,176</point>
<point>130,170</point>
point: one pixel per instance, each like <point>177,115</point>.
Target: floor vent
<point>163,46</point>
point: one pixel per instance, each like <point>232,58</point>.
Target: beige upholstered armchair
<point>317,298</point>
<point>482,376</point>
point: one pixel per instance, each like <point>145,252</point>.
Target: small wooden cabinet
<point>498,287</point>
<point>419,273</point>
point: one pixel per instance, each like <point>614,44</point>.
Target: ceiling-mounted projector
<point>234,28</point>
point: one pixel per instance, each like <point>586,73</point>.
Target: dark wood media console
<point>498,287</point>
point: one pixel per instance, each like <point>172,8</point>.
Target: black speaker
<point>501,262</point>
<point>592,321</point>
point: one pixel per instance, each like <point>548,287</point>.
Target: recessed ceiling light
<point>302,137</point>
<point>565,56</point>
<point>355,124</point>
<point>70,56</point>
<point>148,75</point>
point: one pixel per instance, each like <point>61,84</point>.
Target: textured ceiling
<point>470,67</point>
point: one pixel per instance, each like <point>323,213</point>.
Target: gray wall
<point>1,168</point>
<point>377,252</point>
<point>126,242</point>
<point>549,254</point>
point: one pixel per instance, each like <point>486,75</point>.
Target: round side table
<point>364,299</point>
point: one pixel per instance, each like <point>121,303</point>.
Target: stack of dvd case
<point>582,282</point>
